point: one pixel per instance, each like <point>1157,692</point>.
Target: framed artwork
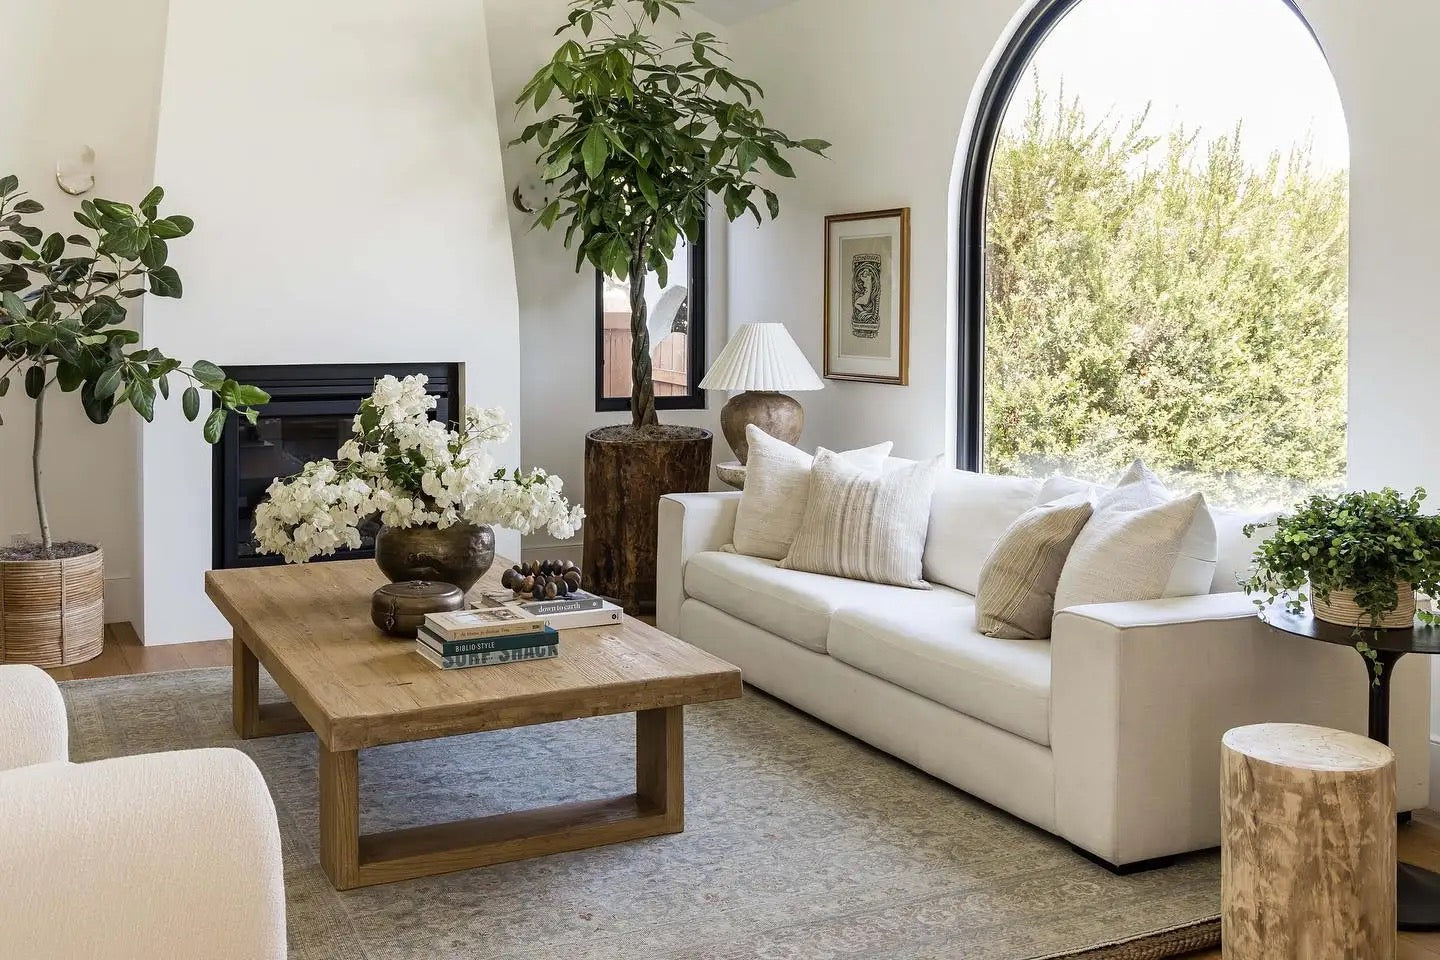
<point>867,296</point>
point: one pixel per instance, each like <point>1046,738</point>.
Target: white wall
<point>557,306</point>
<point>342,162</point>
<point>894,106</point>
<point>79,72</point>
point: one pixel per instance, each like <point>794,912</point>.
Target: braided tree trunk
<point>642,386</point>
<point>629,468</point>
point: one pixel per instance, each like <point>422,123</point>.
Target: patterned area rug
<point>800,843</point>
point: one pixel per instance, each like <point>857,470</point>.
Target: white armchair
<point>162,855</point>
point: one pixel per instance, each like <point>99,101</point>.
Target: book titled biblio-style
<point>542,637</point>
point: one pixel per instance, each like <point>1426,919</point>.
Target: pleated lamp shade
<point>762,356</point>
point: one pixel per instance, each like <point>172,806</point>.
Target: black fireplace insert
<point>309,416</point>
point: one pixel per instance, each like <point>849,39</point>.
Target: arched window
<point>1154,247</point>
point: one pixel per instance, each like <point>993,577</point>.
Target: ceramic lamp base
<point>779,415</point>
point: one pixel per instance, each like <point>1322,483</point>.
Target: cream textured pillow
<point>1016,599</point>
<point>1140,545</point>
<point>865,526</point>
<point>777,487</point>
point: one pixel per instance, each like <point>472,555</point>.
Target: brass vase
<point>459,554</point>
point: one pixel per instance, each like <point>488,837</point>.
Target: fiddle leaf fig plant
<point>1369,542</point>
<point>645,132</point>
<point>62,310</point>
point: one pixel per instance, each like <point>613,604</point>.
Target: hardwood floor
<point>125,656</point>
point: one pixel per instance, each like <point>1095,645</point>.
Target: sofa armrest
<point>163,855</point>
<point>1142,692</point>
<point>690,523</point>
<point>32,718</point>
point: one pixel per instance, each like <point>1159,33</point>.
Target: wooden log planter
<point>627,471</point>
<point>52,612</point>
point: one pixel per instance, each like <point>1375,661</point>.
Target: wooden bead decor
<point>542,579</point>
<point>52,612</point>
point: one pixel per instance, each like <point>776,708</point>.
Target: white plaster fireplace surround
<point>342,162</point>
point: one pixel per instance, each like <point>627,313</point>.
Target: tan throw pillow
<point>865,526</point>
<point>1140,545</point>
<point>777,487</point>
<point>1016,599</point>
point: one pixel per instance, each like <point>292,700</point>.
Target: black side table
<point>1417,889</point>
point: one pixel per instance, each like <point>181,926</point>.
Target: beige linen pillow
<point>1016,599</point>
<point>865,526</point>
<point>777,487</point>
<point>1140,544</point>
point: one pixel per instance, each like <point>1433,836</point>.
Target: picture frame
<point>867,296</point>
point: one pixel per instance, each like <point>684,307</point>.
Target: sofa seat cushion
<point>795,604</point>
<point>938,654</point>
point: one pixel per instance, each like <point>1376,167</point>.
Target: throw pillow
<point>1140,544</point>
<point>865,526</point>
<point>1016,599</point>
<point>777,487</point>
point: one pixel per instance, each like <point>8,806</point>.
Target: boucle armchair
<point>162,855</point>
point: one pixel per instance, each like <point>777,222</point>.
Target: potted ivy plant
<point>1356,558</point>
<point>62,310</point>
<point>635,136</point>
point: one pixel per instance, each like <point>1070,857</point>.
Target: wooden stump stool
<point>1307,826</point>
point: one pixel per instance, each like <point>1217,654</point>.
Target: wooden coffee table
<point>357,688</point>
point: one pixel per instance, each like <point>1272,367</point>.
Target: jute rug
<point>800,843</point>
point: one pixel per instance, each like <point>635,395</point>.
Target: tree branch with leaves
<point>644,134</point>
<point>62,310</point>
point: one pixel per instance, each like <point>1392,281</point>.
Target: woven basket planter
<point>1342,609</point>
<point>52,612</point>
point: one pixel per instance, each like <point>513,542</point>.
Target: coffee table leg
<point>252,718</point>
<point>660,763</point>
<point>340,817</point>
<point>245,693</point>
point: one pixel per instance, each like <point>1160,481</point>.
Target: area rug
<point>800,842</point>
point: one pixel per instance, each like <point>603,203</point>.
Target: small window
<point>677,334</point>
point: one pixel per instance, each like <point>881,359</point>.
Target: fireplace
<point>308,417</point>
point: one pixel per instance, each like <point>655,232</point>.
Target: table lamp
<point>761,359</point>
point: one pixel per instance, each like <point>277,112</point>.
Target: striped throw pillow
<point>865,526</point>
<point>1016,599</point>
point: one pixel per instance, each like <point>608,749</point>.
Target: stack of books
<point>484,637</point>
<point>577,609</point>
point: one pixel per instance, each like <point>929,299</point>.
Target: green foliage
<point>62,309</point>
<point>61,315</point>
<point>1160,299</point>
<point>640,133</point>
<point>1365,542</point>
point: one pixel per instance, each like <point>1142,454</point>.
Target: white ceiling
<point>733,11</point>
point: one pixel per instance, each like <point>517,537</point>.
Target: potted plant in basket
<point>1362,555</point>
<point>62,310</point>
<point>646,133</point>
<point>435,488</point>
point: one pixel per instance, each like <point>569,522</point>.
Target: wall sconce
<point>76,174</point>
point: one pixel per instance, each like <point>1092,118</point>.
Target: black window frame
<point>695,335</point>
<point>1000,84</point>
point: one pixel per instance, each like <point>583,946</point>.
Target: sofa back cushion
<point>968,514</point>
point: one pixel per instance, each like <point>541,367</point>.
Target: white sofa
<point>1107,735</point>
<point>136,858</point>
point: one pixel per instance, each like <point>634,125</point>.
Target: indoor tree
<point>636,135</point>
<point>62,310</point>
<point>646,131</point>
